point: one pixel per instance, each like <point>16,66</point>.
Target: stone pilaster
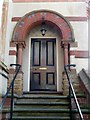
<point>19,57</point>
<point>74,79</point>
<point>66,53</point>
<point>18,84</point>
<point>64,45</point>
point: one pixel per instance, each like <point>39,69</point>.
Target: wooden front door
<point>43,64</point>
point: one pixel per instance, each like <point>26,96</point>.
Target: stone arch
<point>27,22</point>
<point>30,20</point>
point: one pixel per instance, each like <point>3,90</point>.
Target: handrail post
<point>71,89</point>
<point>70,102</point>
<point>11,109</point>
<point>69,54</point>
<point>12,90</point>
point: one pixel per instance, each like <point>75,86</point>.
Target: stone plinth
<point>75,82</point>
<point>18,83</point>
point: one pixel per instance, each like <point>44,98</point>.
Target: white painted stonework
<point>3,84</point>
<point>64,8</point>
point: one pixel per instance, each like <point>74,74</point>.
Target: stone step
<point>38,112</point>
<point>28,114</point>
<point>41,112</point>
<point>42,98</point>
<point>41,118</point>
<point>38,96</point>
<point>43,106</point>
<point>80,95</point>
<point>41,103</point>
<point>84,111</point>
<point>43,93</point>
<point>47,96</point>
<point>6,110</point>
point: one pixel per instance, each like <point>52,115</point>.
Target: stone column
<point>65,53</point>
<point>21,45</point>
<point>19,59</point>
<point>18,83</point>
<point>64,45</point>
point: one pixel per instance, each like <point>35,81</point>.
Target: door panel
<point>36,81</point>
<point>50,53</point>
<point>50,80</point>
<point>36,53</point>
<point>43,65</point>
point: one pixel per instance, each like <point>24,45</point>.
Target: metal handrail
<point>69,53</point>
<point>71,89</point>
<point>12,90</point>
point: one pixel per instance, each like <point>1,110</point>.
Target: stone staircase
<point>41,106</point>
<point>49,105</point>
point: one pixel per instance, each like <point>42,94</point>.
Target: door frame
<point>57,78</point>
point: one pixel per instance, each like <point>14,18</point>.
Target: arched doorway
<point>33,59</point>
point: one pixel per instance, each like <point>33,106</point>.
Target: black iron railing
<point>69,54</point>
<point>72,93</point>
<point>11,87</point>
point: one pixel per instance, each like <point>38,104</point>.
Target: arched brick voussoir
<point>27,22</point>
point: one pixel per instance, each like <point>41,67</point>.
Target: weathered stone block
<point>18,83</point>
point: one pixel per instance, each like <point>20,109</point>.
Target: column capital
<point>64,44</point>
<point>20,47</point>
<point>21,44</point>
